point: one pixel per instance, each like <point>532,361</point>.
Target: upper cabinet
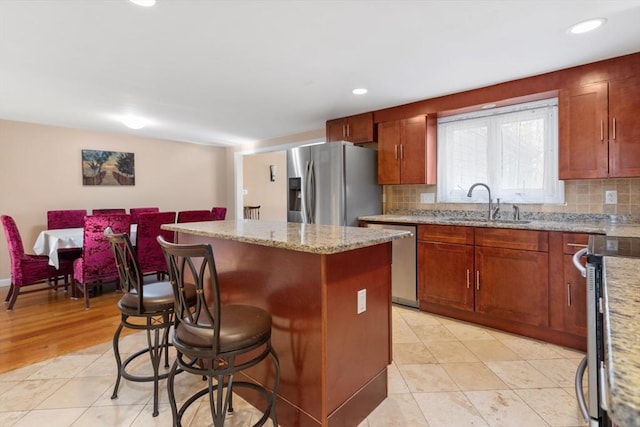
<point>599,130</point>
<point>407,151</point>
<point>357,129</point>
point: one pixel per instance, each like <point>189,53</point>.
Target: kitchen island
<point>333,359</point>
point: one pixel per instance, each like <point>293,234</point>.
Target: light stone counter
<point>570,226</point>
<point>622,338</point>
<point>313,238</point>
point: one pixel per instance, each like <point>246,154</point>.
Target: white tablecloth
<point>49,241</point>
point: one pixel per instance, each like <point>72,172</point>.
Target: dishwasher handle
<point>582,402</point>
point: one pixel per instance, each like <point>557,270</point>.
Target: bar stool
<point>252,212</point>
<point>213,340</point>
<point>153,302</point>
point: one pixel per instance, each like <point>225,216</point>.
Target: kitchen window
<point>513,149</point>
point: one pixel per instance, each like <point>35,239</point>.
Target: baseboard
<point>5,282</point>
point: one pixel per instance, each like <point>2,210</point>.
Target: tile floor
<point>445,373</point>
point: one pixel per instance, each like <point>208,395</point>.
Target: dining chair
<point>218,213</point>
<point>70,218</point>
<point>136,212</point>
<point>148,249</point>
<point>252,212</point>
<point>27,269</point>
<point>214,340</point>
<point>108,211</point>
<point>96,263</point>
<point>147,306</point>
<point>194,216</point>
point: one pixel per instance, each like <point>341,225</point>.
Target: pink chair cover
<point>109,211</point>
<point>97,263</point>
<point>149,251</point>
<point>26,269</point>
<point>218,213</point>
<point>194,216</point>
<point>73,218</point>
<point>136,212</point>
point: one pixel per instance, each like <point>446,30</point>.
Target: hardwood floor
<point>46,324</point>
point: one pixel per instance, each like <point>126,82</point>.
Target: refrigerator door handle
<point>310,205</point>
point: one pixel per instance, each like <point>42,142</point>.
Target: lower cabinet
<point>515,280</point>
<point>568,305</point>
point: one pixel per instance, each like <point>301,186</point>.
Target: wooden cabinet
<point>599,130</point>
<point>501,274</point>
<point>407,151</point>
<point>445,260</point>
<point>568,306</point>
<point>512,285</point>
<point>357,129</point>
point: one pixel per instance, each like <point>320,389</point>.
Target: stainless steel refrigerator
<point>332,183</point>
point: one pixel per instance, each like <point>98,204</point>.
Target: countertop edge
<point>315,239</point>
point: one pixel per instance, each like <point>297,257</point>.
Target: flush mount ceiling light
<point>586,26</point>
<point>145,3</point>
<point>359,91</point>
<point>133,122</point>
<point>487,106</point>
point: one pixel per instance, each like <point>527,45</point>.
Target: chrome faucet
<point>490,213</point>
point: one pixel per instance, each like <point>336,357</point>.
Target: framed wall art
<point>108,168</point>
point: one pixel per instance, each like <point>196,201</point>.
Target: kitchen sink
<point>497,221</point>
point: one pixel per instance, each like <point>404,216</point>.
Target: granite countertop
<point>622,338</point>
<point>589,224</point>
<point>313,238</point>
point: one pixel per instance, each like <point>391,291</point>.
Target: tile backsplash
<point>581,196</point>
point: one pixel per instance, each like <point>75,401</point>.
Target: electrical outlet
<point>362,301</point>
<point>610,197</point>
<point>427,198</point>
<point>612,244</point>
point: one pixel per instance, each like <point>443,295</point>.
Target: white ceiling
<point>233,72</point>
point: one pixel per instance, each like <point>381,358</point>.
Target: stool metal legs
<point>155,346</point>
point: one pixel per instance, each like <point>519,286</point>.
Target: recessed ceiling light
<point>133,122</point>
<point>586,26</point>
<point>359,91</point>
<point>145,3</point>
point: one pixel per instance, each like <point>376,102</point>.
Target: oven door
<point>588,403</point>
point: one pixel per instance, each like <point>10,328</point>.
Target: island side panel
<point>358,345</point>
<point>287,284</point>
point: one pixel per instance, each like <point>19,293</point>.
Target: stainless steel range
<point>593,404</point>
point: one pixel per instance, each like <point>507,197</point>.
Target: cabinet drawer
<point>573,242</point>
<point>528,240</point>
<point>446,234</point>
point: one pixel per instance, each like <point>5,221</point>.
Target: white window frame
<point>456,167</point>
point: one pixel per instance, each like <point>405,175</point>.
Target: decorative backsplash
<point>581,197</point>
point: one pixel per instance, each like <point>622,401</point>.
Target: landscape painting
<point>108,168</point>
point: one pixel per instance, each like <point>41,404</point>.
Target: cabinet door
<point>360,128</point>
<point>624,130</point>
<point>583,114</point>
<point>512,285</point>
<point>413,151</point>
<point>445,274</point>
<point>575,313</point>
<point>388,151</point>
<point>336,130</point>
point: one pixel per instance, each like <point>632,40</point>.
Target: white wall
<point>40,169</point>
<point>260,190</point>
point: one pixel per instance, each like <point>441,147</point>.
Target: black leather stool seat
<point>241,326</point>
<point>157,297</point>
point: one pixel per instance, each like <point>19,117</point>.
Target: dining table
<point>49,242</point>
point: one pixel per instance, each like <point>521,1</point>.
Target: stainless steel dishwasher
<point>404,289</point>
